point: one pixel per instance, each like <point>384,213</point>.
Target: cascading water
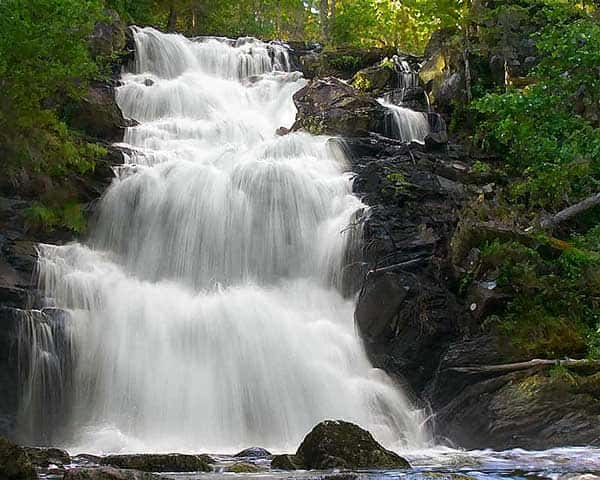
<point>205,311</point>
<point>406,124</point>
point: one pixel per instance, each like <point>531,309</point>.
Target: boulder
<point>339,444</point>
<point>244,467</point>
<point>98,114</point>
<point>170,462</point>
<point>286,462</point>
<point>253,452</point>
<point>330,106</point>
<point>376,79</point>
<point>108,473</point>
<point>44,457</point>
<point>14,462</point>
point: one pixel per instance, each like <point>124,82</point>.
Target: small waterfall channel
<point>204,313</point>
<point>402,122</point>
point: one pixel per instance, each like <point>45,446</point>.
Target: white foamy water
<point>206,312</point>
<point>405,124</point>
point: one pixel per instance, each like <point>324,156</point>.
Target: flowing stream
<point>205,311</point>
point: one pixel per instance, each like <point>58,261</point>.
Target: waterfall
<point>205,311</point>
<point>406,124</point>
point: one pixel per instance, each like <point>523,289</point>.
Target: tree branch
<point>537,362</point>
<point>570,212</point>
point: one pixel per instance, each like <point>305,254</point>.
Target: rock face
<point>407,309</point>
<point>330,106</point>
<point>108,473</point>
<point>98,114</point>
<point>338,444</point>
<point>172,462</point>
<point>342,62</point>
<point>539,410</point>
<point>14,462</point>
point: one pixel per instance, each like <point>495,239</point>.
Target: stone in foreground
<point>171,462</point>
<point>14,462</point>
<point>338,444</point>
<point>253,452</point>
<point>108,473</point>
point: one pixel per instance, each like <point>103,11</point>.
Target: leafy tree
<point>43,59</point>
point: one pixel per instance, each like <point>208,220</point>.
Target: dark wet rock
<point>171,462</point>
<point>524,409</point>
<point>407,310</point>
<point>244,467</point>
<point>253,452</point>
<point>9,393</point>
<point>109,37</point>
<point>342,62</point>
<point>44,457</point>
<point>14,462</point>
<point>286,462</point>
<point>339,444</point>
<point>98,114</point>
<point>330,106</point>
<point>376,79</point>
<point>109,473</point>
<point>436,141</point>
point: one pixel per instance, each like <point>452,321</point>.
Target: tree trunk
<point>331,20</point>
<point>324,14</point>
<point>172,22</point>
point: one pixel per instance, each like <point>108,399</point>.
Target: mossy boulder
<point>376,79</point>
<point>14,462</point>
<point>170,462</point>
<point>339,444</point>
<point>244,467</point>
<point>331,107</point>
<point>286,462</point>
<point>108,473</point>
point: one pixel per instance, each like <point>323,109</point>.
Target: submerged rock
<point>109,473</point>
<point>170,462</point>
<point>14,462</point>
<point>339,444</point>
<point>253,452</point>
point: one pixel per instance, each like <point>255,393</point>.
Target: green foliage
<point>44,59</point>
<point>43,218</point>
<point>548,131</point>
<point>345,62</point>
<point>406,25</point>
<point>361,83</point>
<point>555,310</point>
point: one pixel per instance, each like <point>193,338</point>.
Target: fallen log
<point>535,363</point>
<point>564,215</point>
